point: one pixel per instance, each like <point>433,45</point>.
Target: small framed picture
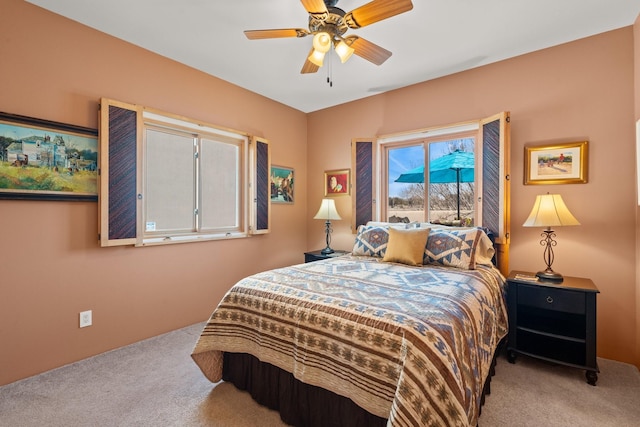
<point>337,183</point>
<point>281,184</point>
<point>556,164</point>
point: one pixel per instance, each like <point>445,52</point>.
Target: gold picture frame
<point>556,164</point>
<point>337,183</point>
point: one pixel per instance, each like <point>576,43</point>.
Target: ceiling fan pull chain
<point>330,71</point>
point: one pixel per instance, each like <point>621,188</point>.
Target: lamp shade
<point>327,210</point>
<point>549,210</point>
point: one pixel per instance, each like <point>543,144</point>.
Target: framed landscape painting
<point>45,160</point>
<point>281,184</point>
<point>556,164</point>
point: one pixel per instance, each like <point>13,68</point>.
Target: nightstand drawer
<point>552,299</point>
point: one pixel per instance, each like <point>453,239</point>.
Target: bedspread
<point>411,344</point>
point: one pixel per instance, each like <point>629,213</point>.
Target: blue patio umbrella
<point>455,167</point>
<point>413,176</point>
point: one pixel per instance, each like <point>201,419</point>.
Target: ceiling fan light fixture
<point>317,58</point>
<point>344,51</point>
<point>327,24</point>
<point>322,42</point>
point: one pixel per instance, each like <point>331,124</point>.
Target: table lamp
<point>327,212</point>
<point>549,211</point>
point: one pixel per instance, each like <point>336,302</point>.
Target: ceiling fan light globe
<point>344,51</point>
<point>316,58</point>
<point>322,42</point>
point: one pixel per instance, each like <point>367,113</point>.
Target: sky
<point>18,132</point>
<point>406,158</point>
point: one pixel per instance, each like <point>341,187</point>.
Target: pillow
<point>371,240</point>
<point>401,225</point>
<point>484,250</point>
<point>464,248</point>
<point>406,246</point>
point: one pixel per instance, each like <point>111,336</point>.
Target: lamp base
<point>327,251</point>
<point>550,275</point>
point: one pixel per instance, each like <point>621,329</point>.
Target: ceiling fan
<point>328,24</point>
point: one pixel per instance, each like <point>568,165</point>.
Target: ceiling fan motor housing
<point>332,23</point>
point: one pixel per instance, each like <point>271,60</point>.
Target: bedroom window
<point>166,179</point>
<point>440,190</point>
<point>371,163</point>
<point>193,183</point>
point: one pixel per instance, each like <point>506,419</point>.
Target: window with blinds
<point>167,179</point>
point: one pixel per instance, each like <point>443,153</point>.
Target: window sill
<point>168,240</point>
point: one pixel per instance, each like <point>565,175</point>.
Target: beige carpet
<point>155,383</point>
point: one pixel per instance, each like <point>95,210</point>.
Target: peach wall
<point>636,37</point>
<point>576,91</point>
<point>52,266</point>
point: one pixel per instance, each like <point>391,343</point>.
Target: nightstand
<point>553,321</point>
<point>318,255</point>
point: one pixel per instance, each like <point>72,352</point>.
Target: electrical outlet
<point>85,318</point>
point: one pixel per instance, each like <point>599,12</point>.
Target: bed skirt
<point>301,404</point>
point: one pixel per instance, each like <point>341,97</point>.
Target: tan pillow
<point>406,246</point>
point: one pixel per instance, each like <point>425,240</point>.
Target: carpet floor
<point>155,383</point>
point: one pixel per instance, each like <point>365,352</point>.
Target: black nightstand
<point>318,255</point>
<point>553,321</point>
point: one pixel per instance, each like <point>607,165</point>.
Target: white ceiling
<point>436,38</point>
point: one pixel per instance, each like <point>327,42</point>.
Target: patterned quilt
<point>411,344</point>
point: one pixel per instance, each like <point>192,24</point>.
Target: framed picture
<point>282,184</point>
<point>45,160</point>
<point>336,182</point>
<point>556,164</point>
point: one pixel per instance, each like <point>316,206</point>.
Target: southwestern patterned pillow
<point>453,248</point>
<point>371,240</point>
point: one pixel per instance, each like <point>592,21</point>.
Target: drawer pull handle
<point>549,300</point>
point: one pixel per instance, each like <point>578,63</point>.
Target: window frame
<point>116,229</point>
<point>426,137</point>
<point>200,135</point>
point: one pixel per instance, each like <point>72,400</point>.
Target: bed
<point>402,332</point>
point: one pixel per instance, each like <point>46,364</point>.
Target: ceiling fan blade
<point>315,7</point>
<point>309,67</point>
<point>375,11</point>
<point>367,50</point>
<point>274,34</point>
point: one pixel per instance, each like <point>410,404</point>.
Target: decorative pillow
<point>406,246</point>
<point>485,250</point>
<point>457,248</point>
<point>371,240</point>
<point>401,225</point>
